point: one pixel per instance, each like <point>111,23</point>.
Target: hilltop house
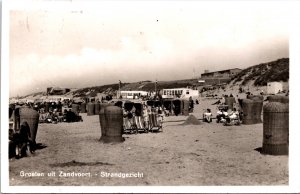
<point>274,87</point>
<point>228,73</point>
<point>219,77</point>
<point>57,91</point>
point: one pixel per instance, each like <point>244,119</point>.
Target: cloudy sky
<point>100,43</point>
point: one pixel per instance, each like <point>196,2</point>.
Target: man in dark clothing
<point>191,107</point>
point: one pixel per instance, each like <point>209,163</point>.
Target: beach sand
<point>199,155</point>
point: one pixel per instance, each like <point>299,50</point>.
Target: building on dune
<point>228,73</point>
<point>57,91</point>
<point>219,77</point>
<point>180,93</point>
<point>274,87</point>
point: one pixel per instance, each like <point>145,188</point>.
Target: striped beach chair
<point>140,124</point>
<point>154,122</point>
<point>129,125</point>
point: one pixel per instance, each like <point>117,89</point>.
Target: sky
<point>91,44</point>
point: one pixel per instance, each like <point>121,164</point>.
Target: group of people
<point>143,112</point>
<point>223,116</point>
<point>55,117</point>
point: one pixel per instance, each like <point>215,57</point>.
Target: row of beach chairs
<point>137,124</point>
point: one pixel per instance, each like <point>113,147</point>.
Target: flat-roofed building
<point>180,93</point>
<point>134,94</point>
<point>228,73</point>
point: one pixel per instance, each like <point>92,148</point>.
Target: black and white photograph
<point>144,94</point>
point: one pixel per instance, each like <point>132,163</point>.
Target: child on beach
<point>207,116</point>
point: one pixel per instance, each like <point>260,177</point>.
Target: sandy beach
<point>192,155</point>
<point>62,55</point>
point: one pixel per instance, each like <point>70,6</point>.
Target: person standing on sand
<point>146,116</point>
<point>191,104</point>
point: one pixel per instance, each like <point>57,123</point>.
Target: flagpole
<point>155,89</point>
<point>119,88</point>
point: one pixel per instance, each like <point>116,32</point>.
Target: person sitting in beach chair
<point>48,117</point>
<point>155,121</point>
<point>146,112</point>
<point>55,116</point>
<point>233,118</point>
<point>161,114</point>
<point>43,117</point>
<point>139,123</point>
<point>221,113</point>
<point>138,118</point>
<point>128,122</point>
<point>167,112</point>
<point>207,116</point>
<point>60,117</point>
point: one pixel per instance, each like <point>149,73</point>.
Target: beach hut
<point>113,116</point>
<point>102,120</point>
<point>138,108</point>
<point>75,108</point>
<point>83,107</point>
<point>274,87</point>
<point>178,106</point>
<point>119,104</point>
<point>14,117</point>
<point>32,118</point>
<point>185,107</point>
<point>157,103</point>
<point>128,105</point>
<point>230,101</point>
<point>275,128</point>
<point>97,108</point>
<point>251,111</point>
<point>90,109</point>
<point>168,105</point>
<point>138,118</point>
<point>150,103</point>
